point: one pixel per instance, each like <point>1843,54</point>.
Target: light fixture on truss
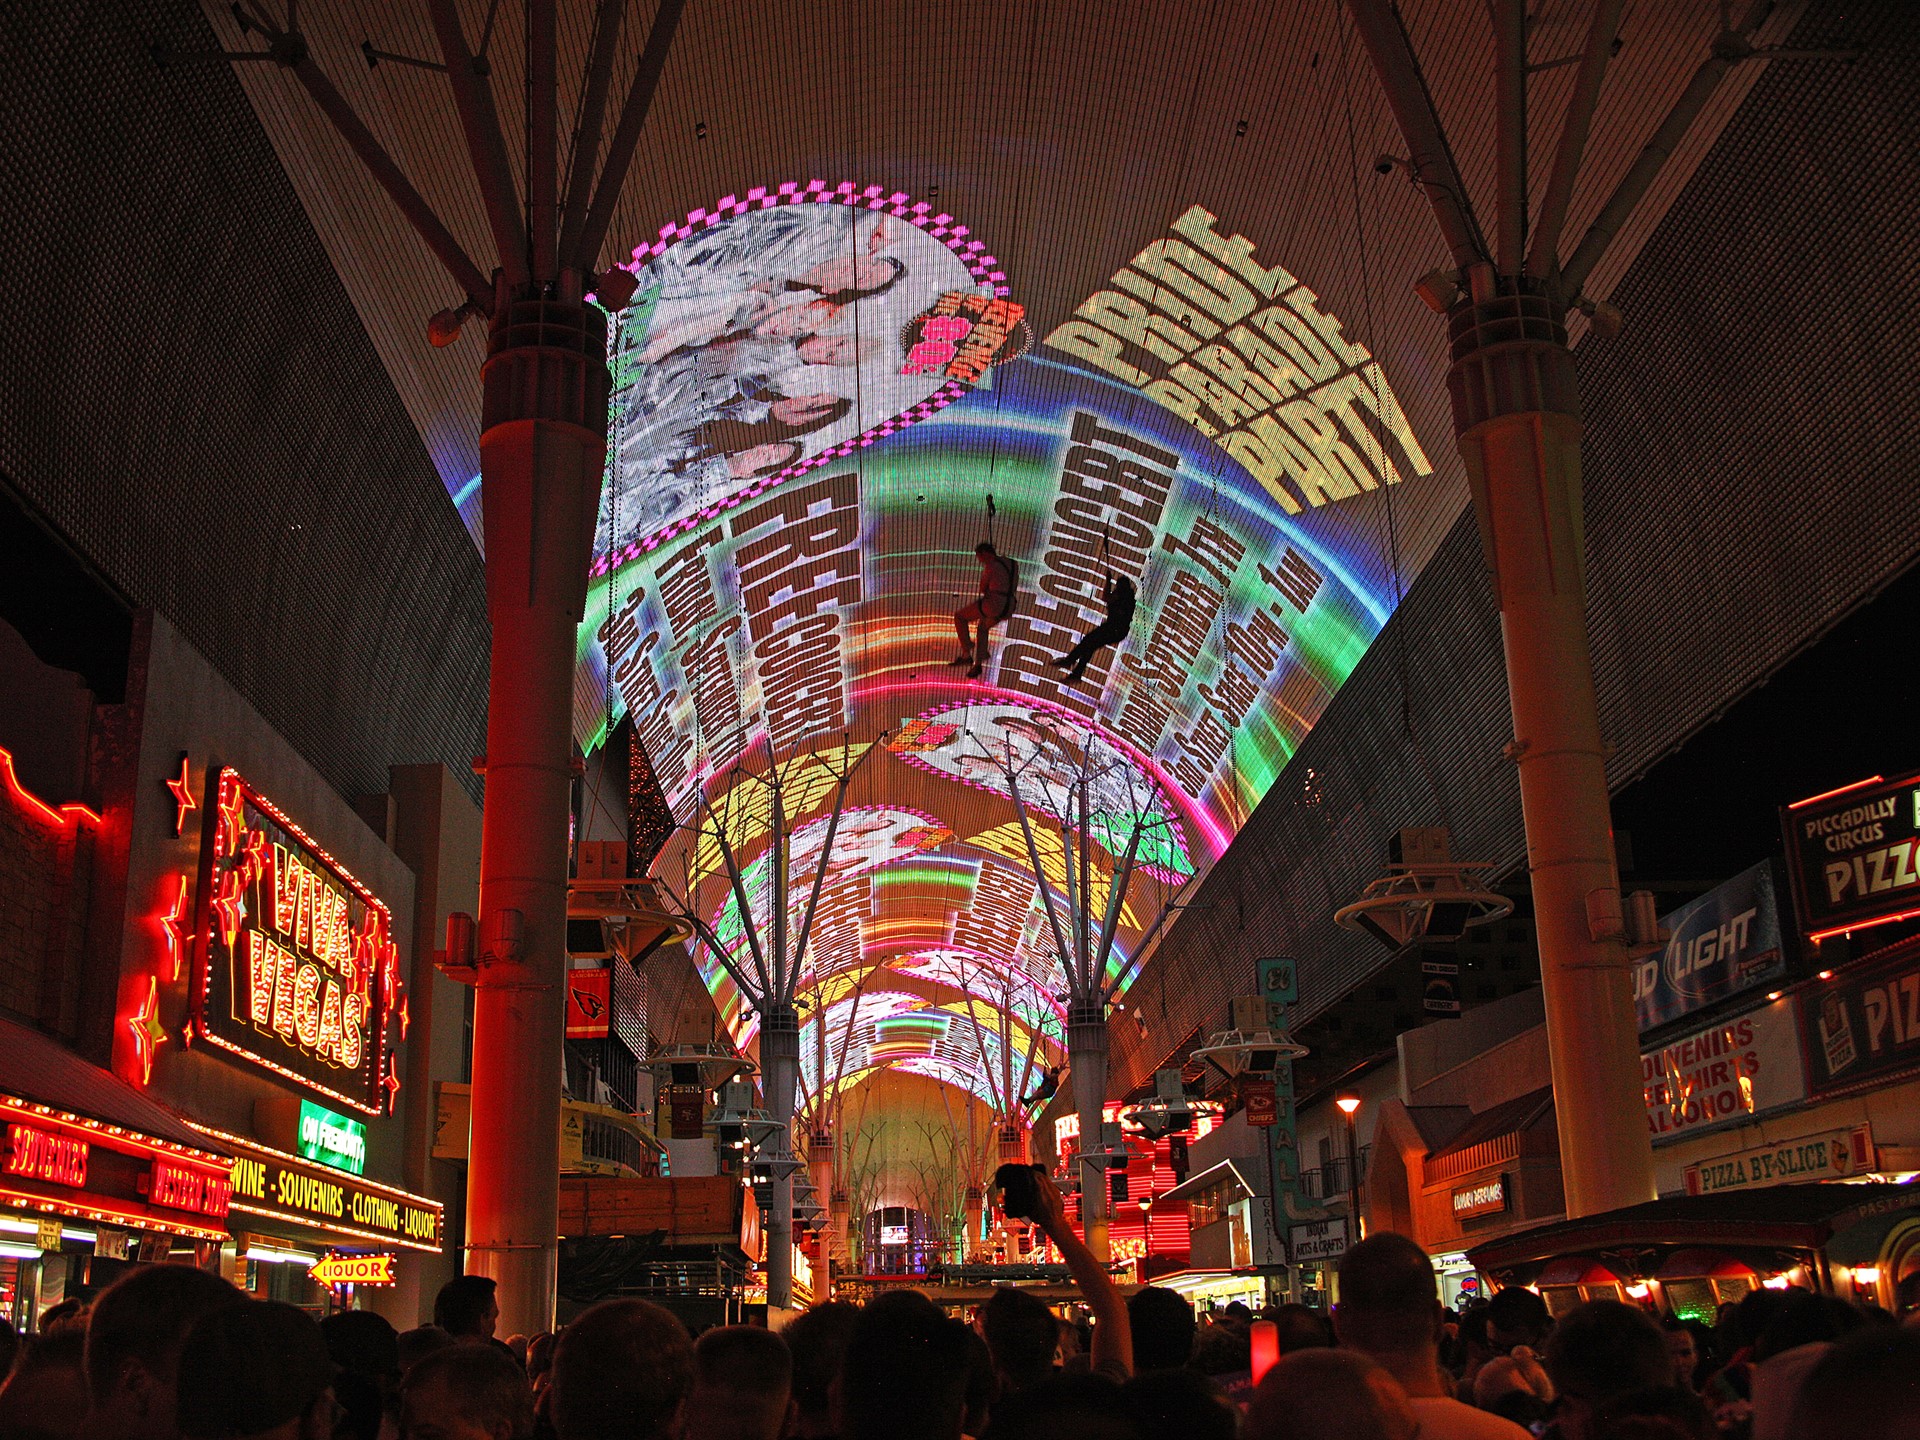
<point>703,1068</point>
<point>1425,895</point>
<point>1255,1044</point>
<point>1165,1112</point>
<point>742,1125</point>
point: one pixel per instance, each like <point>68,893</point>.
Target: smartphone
<point>1017,1191</point>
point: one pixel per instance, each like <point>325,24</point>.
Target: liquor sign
<point>353,1270</point>
<point>1317,1240</point>
<point>1863,1023</point>
<point>1487,1197</point>
<point>296,967</point>
<point>1855,855</point>
<point>280,1186</point>
<point>1831,1155</point>
<point>1724,1074</point>
<point>1726,941</point>
<point>332,1139</point>
<point>589,1003</point>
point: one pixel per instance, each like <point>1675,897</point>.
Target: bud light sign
<point>1723,943</point>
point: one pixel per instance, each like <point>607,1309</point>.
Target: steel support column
<point>1517,418</point>
<point>543,445</point>
<point>780,1068</point>
<point>1087,1055</point>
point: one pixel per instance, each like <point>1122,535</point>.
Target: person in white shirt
<point>1390,1312</point>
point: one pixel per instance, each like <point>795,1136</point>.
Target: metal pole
<point>1433,168</point>
<point>1353,1183</point>
<point>1729,50</point>
<point>1516,414</point>
<point>780,1057</point>
<point>1087,1051</point>
<point>1573,139</point>
<point>1510,77</point>
<point>543,444</point>
<point>1517,418</point>
<point>626,137</point>
<point>473,100</point>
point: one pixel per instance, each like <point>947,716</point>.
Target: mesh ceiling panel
<point>187,392</point>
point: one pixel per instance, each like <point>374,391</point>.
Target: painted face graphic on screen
<point>780,325</point>
<point>1050,755</point>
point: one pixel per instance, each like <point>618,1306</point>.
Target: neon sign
<point>332,1139</point>
<point>186,1187</point>
<point>39,1155</point>
<point>295,962</point>
<point>354,1270</point>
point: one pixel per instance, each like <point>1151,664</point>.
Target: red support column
<point>1517,416</point>
<point>543,447</point>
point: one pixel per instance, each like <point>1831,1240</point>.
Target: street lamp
<point>1349,1103</point>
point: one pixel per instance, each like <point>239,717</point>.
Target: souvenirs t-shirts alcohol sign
<point>295,964</point>
<point>1855,855</point>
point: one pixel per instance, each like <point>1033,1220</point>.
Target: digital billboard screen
<point>824,398</point>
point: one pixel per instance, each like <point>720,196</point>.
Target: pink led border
<point>942,226</point>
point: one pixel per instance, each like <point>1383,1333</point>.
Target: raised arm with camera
<point>1032,1195</point>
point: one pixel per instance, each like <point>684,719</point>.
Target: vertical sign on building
<point>1279,982</point>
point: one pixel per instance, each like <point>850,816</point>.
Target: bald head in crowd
<point>134,1339</point>
<point>620,1372</point>
<point>1328,1395</point>
<point>742,1386</point>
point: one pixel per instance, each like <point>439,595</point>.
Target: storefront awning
<point>1226,1170</point>
<point>1492,1137</point>
<point>42,1071</point>
<point>80,1144</point>
<point>1780,1217</point>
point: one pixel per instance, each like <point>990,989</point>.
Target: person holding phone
<point>1027,1192</point>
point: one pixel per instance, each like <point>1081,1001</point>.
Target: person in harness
<point>999,584</point>
<point>1119,598</point>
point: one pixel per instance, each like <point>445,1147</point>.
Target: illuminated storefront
<point>93,1178</point>
<point>288,1214</point>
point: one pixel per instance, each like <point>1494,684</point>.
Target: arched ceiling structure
<point>1131,271</point>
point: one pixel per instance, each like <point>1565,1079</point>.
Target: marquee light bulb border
<point>230,841</point>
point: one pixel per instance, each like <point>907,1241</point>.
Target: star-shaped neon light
<point>183,800</point>
<point>233,822</point>
<point>230,905</point>
<point>389,963</point>
<point>390,1082</point>
<point>173,927</point>
<point>147,1030</point>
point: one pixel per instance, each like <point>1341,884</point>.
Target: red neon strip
<point>1829,794</point>
<point>116,1135</point>
<point>1864,924</point>
<point>80,1210</point>
<point>70,814</point>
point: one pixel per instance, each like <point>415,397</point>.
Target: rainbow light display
<point>788,526</point>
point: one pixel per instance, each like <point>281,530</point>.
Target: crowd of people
<point>175,1353</point>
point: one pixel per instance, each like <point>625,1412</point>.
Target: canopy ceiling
<point>1164,226</point>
